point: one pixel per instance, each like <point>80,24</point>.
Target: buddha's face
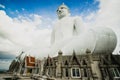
<point>62,11</point>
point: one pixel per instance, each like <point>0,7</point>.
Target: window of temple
<point>75,72</point>
<point>105,73</point>
<point>51,64</point>
<point>66,72</point>
<point>47,63</point>
<point>85,72</point>
<point>115,73</point>
<point>66,63</point>
<point>48,71</point>
<point>29,70</point>
<point>84,62</point>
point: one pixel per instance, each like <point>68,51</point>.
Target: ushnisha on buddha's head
<point>63,11</point>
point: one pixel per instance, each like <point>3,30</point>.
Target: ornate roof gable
<point>74,60</point>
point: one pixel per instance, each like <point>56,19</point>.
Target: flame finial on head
<point>63,5</point>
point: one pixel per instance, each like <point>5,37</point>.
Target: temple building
<point>26,67</point>
<point>83,67</point>
<point>31,66</point>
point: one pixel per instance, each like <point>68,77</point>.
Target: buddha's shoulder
<point>77,18</point>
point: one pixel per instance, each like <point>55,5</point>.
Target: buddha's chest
<point>64,27</point>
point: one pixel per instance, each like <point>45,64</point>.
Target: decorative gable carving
<point>74,60</point>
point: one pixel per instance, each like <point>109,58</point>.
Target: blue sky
<point>47,8</point>
<point>26,25</point>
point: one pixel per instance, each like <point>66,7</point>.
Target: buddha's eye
<point>62,7</point>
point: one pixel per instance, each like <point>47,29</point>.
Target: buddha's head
<point>63,11</point>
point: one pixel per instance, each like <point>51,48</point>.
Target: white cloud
<point>23,33</point>
<point>2,6</point>
<point>23,9</point>
<point>16,11</point>
<point>4,64</point>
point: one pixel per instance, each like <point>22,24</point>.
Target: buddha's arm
<point>78,25</point>
<point>53,37</point>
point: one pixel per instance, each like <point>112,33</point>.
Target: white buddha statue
<point>66,26</point>
<point>69,34</point>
